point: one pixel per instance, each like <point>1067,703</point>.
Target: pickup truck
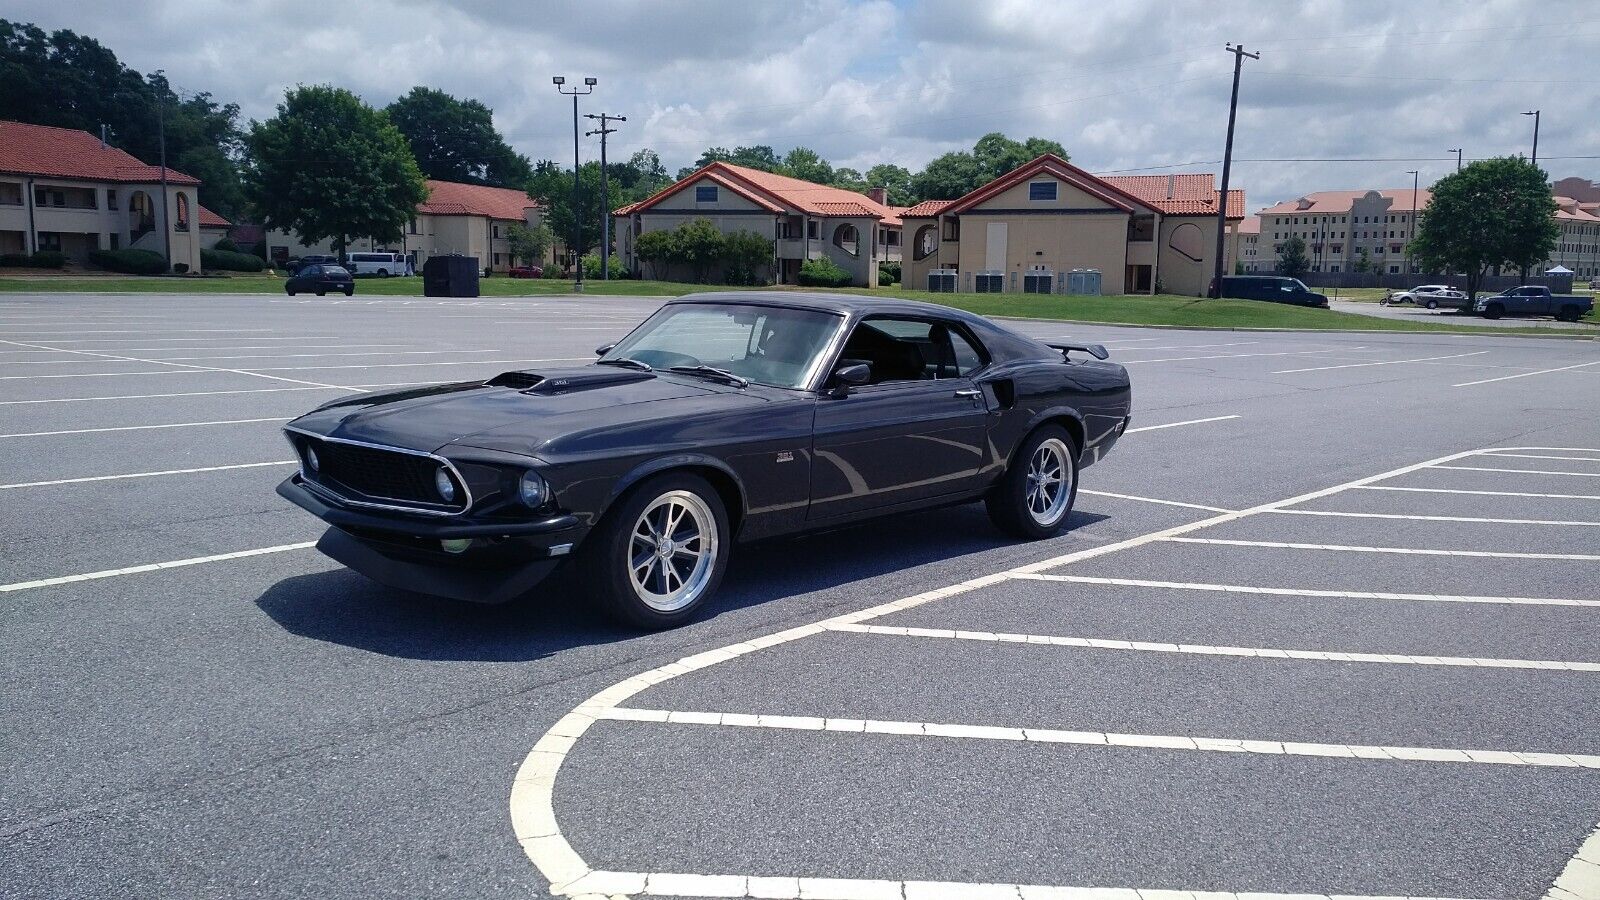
<point>1533,300</point>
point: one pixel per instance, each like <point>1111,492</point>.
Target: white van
<point>384,264</point>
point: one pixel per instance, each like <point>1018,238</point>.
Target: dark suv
<point>1272,288</point>
<point>320,279</point>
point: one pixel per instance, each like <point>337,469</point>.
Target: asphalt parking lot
<point>1325,624</point>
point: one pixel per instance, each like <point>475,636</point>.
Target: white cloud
<point>1129,84</point>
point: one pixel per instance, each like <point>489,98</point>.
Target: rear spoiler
<point>1098,351</point>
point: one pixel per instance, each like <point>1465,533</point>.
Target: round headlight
<point>312,462</point>
<point>444,484</point>
<point>533,490</point>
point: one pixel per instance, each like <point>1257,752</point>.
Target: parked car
<point>723,418</point>
<point>312,259</point>
<point>320,279</point>
<point>381,264</point>
<point>1432,296</point>
<point>1533,300</point>
<point>1272,288</point>
<point>526,272</point>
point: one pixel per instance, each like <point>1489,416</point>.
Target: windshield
<point>766,345</point>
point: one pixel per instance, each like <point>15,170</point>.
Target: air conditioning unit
<point>942,281</point>
<point>989,282</point>
<point>1038,280</point>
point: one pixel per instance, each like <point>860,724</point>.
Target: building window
<point>705,193</point>
<point>47,197</point>
<point>1394,270</point>
<point>111,198</point>
<point>1041,190</point>
<point>413,226</point>
<point>811,229</point>
<point>183,212</point>
<point>50,240</point>
<point>497,231</point>
<point>952,229</point>
<point>1142,228</point>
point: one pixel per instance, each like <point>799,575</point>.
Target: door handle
<point>969,392</point>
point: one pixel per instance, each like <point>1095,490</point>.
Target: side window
<point>967,357</point>
<point>911,350</point>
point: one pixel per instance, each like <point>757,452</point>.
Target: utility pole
<point>1457,152</point>
<point>605,120</point>
<point>1535,114</point>
<point>1227,165</point>
<point>1414,176</point>
<point>577,226</point>
<point>161,136</point>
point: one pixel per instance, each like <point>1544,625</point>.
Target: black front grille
<point>379,474</point>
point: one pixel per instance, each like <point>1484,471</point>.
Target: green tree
<point>948,177</point>
<point>896,178</point>
<point>1363,263</point>
<point>743,255</point>
<point>1292,259</point>
<point>1494,212</point>
<point>699,244</point>
<point>551,186</point>
<point>659,249</point>
<point>807,165</point>
<point>455,140</point>
<point>758,157</point>
<point>849,179</point>
<point>329,166</point>
<point>530,244</point>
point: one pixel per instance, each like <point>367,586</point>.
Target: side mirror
<point>847,377</point>
<point>603,350</point>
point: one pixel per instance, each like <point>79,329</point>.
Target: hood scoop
<point>561,381</point>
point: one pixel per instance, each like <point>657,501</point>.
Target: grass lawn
<point>1187,312</point>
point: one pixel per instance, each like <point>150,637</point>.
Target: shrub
<point>889,272</point>
<point>259,248</point>
<point>226,245</point>
<point>230,261</point>
<point>823,272</point>
<point>134,262</point>
<point>44,259</point>
<point>591,267</point>
<point>743,254</point>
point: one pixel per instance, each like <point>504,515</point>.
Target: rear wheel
<point>1433,304</point>
<point>1494,311</point>
<point>1569,314</point>
<point>660,553</point>
<point>1035,496</point>
<point>290,290</point>
<point>383,273</point>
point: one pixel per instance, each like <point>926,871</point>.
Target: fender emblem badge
<point>786,456</point>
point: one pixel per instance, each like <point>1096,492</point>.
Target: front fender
<point>657,465</point>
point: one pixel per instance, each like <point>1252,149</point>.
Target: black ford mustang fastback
<point>723,418</point>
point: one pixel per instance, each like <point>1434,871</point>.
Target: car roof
<point>843,304</point>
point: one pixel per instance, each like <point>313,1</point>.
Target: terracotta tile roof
<point>1179,195</point>
<point>1250,224</point>
<point>925,209</point>
<point>1056,167</point>
<point>452,198</point>
<point>1340,201</point>
<point>70,153</point>
<point>777,193</point>
<point>209,219</point>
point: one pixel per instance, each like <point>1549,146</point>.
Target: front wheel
<point>1433,304</point>
<point>1036,493</point>
<point>290,290</point>
<point>660,553</point>
<point>349,292</point>
<point>1494,311</point>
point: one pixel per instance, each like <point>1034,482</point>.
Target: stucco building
<point>804,221</point>
<point>1029,229</point>
<point>1247,246</point>
<point>63,190</point>
<point>460,219</point>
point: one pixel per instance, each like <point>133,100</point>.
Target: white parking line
<point>1519,471</point>
<point>1387,362</point>
<point>1206,650</point>
<point>29,484</point>
<point>1179,424</point>
<point>1102,738</point>
<point>460,362</point>
<point>1526,374</point>
<point>1593,459</point>
<point>1407,517</point>
<point>181,394</point>
<point>1192,346</point>
<point>1303,592</point>
<point>1580,878</point>
<point>602,883</point>
<point>1415,551</point>
<point>105,374</point>
<point>25,434</point>
<point>59,362</point>
<point>1215,509</point>
<point>187,367</point>
<point>1377,487</point>
<point>1129,362</point>
<point>323,355</point>
<point>151,567</point>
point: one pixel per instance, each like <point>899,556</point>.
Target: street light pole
<point>605,192</point>
<point>577,227</point>
<point>161,136</point>
<point>1414,176</point>
<point>1535,114</point>
<point>1457,152</point>
<point>1227,165</point>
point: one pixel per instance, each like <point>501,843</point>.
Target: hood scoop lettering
<point>561,381</point>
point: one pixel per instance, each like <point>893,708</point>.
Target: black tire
<point>322,293</point>
<point>606,559</point>
<point>349,292</point>
<point>1012,502</point>
<point>1494,311</point>
<point>383,273</point>
<point>1433,304</point>
<point>290,291</point>
<point>1569,314</point>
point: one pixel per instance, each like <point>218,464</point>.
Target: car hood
<point>514,410</point>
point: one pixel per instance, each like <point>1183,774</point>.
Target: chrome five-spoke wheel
<point>1049,482</point>
<point>673,551</point>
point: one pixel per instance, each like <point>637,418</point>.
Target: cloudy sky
<point>1123,84</point>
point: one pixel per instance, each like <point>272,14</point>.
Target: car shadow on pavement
<point>342,607</point>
